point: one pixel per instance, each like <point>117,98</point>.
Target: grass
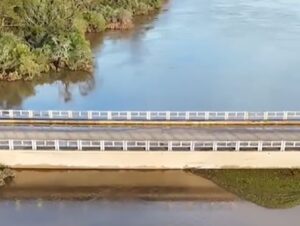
<point>267,188</point>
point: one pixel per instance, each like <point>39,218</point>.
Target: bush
<point>95,21</point>
<point>16,59</point>
<point>38,35</point>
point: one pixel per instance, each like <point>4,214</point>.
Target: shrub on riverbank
<point>38,35</point>
<point>16,58</point>
<point>5,175</point>
<point>268,188</point>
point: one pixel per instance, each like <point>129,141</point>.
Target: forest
<point>37,36</point>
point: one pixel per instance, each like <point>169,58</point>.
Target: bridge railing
<point>107,145</point>
<point>151,115</point>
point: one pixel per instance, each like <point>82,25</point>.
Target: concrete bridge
<point>172,140</point>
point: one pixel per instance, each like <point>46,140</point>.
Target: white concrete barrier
<point>148,160</point>
<point>147,145</point>
<point>151,115</point>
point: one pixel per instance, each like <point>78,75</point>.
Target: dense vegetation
<point>268,188</point>
<point>6,175</point>
<point>41,35</point>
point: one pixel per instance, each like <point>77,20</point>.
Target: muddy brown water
<point>107,184</point>
<point>128,198</point>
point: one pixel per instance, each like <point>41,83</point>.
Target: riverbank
<point>39,36</point>
<point>268,188</point>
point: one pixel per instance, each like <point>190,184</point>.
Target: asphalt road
<point>217,133</point>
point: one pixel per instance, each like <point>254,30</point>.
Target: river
<point>129,198</point>
<point>141,213</point>
<point>194,55</point>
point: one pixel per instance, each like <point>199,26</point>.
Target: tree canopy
<point>41,35</point>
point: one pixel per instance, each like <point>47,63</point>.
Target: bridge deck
<point>232,133</point>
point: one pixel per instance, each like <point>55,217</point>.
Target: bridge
<point>142,117</point>
<point>148,139</point>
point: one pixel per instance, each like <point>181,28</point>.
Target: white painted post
<point>147,145</point>
<point>285,115</point>
<point>109,115</point>
<point>192,147</point>
<point>70,114</point>
<point>79,145</point>
<point>168,115</point>
<point>125,146</point>
<point>206,116</point>
<point>170,146</point>
<point>90,117</point>
<point>102,145</point>
<point>260,146</point>
<point>265,116</point>
<point>33,144</point>
<point>50,113</point>
<point>187,116</point>
<point>148,115</point>
<point>11,145</point>
<point>226,116</point>
<point>128,116</point>
<point>246,116</point>
<point>282,146</point>
<point>30,114</point>
<point>215,146</point>
<point>56,144</point>
<point>11,113</point>
<point>238,146</point>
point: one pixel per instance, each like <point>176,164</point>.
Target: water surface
<point>129,198</point>
<point>146,213</point>
<point>194,55</point>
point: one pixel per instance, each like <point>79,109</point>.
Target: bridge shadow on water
<point>172,185</point>
<point>135,198</point>
<point>275,189</point>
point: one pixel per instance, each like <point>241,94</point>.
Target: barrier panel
<point>107,145</point>
<point>151,115</point>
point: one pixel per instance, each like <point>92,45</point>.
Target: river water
<point>129,198</point>
<point>141,213</point>
<point>194,55</point>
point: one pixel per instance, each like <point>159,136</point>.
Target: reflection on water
<point>64,84</point>
<point>51,198</point>
<point>66,87</point>
<point>113,184</point>
<point>195,55</point>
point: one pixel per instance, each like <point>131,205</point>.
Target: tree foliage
<point>38,35</point>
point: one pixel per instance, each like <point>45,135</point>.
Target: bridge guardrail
<point>152,115</point>
<point>108,145</point>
